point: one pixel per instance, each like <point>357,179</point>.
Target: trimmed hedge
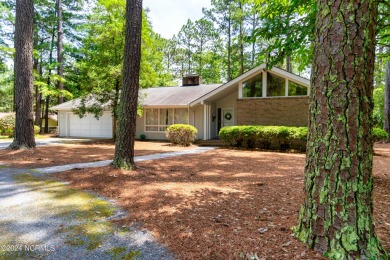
<point>181,134</point>
<point>281,136</point>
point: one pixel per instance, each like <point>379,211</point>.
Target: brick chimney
<point>192,80</point>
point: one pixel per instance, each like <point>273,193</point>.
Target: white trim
<point>240,89</point>
<point>174,106</point>
<point>227,85</point>
<point>251,73</point>
<point>286,87</point>
<point>207,122</point>
<point>290,76</point>
<point>67,123</point>
<point>264,88</point>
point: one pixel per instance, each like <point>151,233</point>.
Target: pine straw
<point>61,154</point>
<point>223,204</point>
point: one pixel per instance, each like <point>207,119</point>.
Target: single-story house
<point>258,97</point>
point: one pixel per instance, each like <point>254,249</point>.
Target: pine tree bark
<point>124,145</point>
<point>241,39</point>
<point>24,81</point>
<point>229,47</point>
<point>336,218</point>
<point>387,100</point>
<point>60,68</point>
<point>288,63</point>
<point>36,68</point>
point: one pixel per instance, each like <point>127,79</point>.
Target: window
<point>253,87</point>
<point>181,116</point>
<point>151,116</point>
<point>158,119</point>
<point>276,86</point>
<point>295,89</point>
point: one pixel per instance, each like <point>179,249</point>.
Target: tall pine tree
<point>336,217</point>
<point>24,81</point>
<point>124,145</point>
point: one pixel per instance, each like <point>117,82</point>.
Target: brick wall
<point>288,111</point>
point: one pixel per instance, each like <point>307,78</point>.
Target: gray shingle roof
<point>161,96</point>
<point>174,96</point>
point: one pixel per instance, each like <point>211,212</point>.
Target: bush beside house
<point>274,137</point>
<point>181,134</point>
<point>7,125</point>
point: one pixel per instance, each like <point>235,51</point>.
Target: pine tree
<point>124,146</point>
<point>336,217</point>
<point>24,125</point>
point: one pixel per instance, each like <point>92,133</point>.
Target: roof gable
<point>230,86</point>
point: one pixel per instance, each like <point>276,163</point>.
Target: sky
<point>168,16</point>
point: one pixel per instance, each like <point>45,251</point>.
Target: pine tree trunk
<point>288,64</point>
<point>60,68</point>
<point>229,47</point>
<point>24,80</point>
<point>47,104</point>
<point>253,54</point>
<point>36,68</point>
<point>336,218</point>
<point>387,100</point>
<point>241,39</point>
<point>124,145</point>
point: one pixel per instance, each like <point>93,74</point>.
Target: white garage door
<point>89,126</point>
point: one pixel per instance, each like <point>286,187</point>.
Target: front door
<point>227,117</point>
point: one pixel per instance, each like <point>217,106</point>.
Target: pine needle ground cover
<point>223,204</point>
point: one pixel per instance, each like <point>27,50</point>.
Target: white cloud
<point>170,15</point>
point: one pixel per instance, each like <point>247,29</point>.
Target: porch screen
<point>158,119</point>
<point>253,87</point>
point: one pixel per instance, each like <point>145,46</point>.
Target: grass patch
<point>69,203</point>
<point>86,213</point>
<point>120,253</point>
<point>75,242</point>
<point>91,233</point>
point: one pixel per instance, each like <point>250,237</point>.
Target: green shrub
<point>283,136</point>
<point>7,125</point>
<point>181,134</point>
<point>37,129</point>
<point>231,135</point>
<point>379,135</point>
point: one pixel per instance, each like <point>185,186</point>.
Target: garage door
<point>89,126</point>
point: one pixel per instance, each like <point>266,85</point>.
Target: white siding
<point>198,120</point>
<point>62,123</point>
